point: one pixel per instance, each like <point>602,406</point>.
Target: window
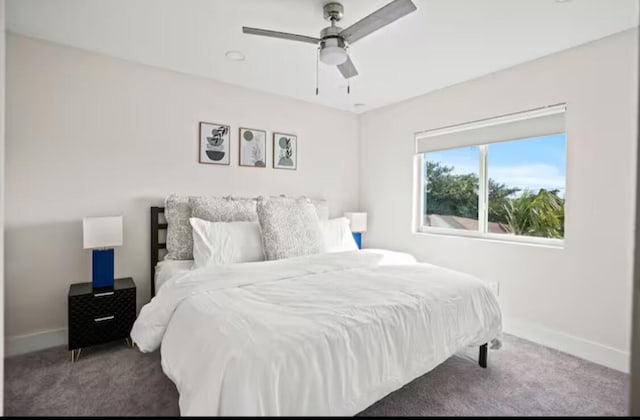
<point>451,188</point>
<point>505,179</point>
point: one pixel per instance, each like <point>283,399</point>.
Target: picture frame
<point>214,143</point>
<point>285,151</point>
<point>253,147</point>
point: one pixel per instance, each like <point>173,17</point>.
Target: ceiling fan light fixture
<point>333,55</point>
<point>334,41</point>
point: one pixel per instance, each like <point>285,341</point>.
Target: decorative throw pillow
<point>179,239</point>
<point>290,227</point>
<point>337,235</point>
<point>224,209</point>
<point>322,208</point>
<point>222,243</point>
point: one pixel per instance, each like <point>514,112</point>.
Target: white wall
<point>92,135</point>
<point>578,298</point>
<point>2,159</point>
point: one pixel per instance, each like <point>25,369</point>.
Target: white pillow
<point>224,243</point>
<point>337,235</point>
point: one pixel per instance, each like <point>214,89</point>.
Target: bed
<point>326,334</point>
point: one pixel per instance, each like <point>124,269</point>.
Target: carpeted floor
<point>523,379</point>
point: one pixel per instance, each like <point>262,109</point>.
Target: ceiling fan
<point>334,41</point>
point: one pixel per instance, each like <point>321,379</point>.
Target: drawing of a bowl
<point>215,152</point>
<point>215,141</point>
<point>285,162</point>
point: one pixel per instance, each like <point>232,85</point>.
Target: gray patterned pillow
<point>224,209</point>
<point>178,210</point>
<point>290,227</point>
<point>321,205</point>
<point>179,238</point>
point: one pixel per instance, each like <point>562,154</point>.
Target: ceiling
<point>444,42</point>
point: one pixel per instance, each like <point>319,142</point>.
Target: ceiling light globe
<point>333,55</point>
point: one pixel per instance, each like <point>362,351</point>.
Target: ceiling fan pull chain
<point>349,78</point>
<point>317,77</point>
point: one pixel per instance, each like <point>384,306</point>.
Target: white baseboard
<point>576,346</point>
<point>21,344</point>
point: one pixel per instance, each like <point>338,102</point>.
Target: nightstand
<point>98,316</point>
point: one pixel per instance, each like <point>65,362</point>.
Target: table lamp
<point>358,223</point>
<point>101,234</point>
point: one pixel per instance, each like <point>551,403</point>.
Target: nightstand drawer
<point>102,303</point>
<point>87,332</point>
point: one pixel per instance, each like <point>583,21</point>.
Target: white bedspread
<point>321,335</point>
<point>168,269</point>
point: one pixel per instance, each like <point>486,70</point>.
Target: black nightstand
<point>98,316</point>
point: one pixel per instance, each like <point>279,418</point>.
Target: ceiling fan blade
<point>281,35</point>
<point>376,20</point>
<point>347,69</point>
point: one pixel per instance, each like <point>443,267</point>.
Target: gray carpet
<point>523,379</point>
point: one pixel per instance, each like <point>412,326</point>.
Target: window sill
<point>493,237</point>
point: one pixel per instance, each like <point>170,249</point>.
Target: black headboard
<point>156,245</point>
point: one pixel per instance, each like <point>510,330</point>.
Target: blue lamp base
<point>358,237</point>
<point>102,268</point>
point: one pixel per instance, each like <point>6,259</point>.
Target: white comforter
<point>320,335</point>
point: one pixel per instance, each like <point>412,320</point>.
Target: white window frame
<point>483,201</point>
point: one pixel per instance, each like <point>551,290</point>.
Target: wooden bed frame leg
<point>482,360</point>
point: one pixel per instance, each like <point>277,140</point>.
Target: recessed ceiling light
<point>234,55</point>
<point>563,1</point>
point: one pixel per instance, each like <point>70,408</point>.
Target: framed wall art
<point>215,143</point>
<point>285,151</point>
<point>253,147</point>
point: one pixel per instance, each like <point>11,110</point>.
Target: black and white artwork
<point>214,143</point>
<point>285,151</point>
<point>253,148</point>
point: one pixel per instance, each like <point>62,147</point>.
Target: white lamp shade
<point>357,221</point>
<point>102,232</point>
